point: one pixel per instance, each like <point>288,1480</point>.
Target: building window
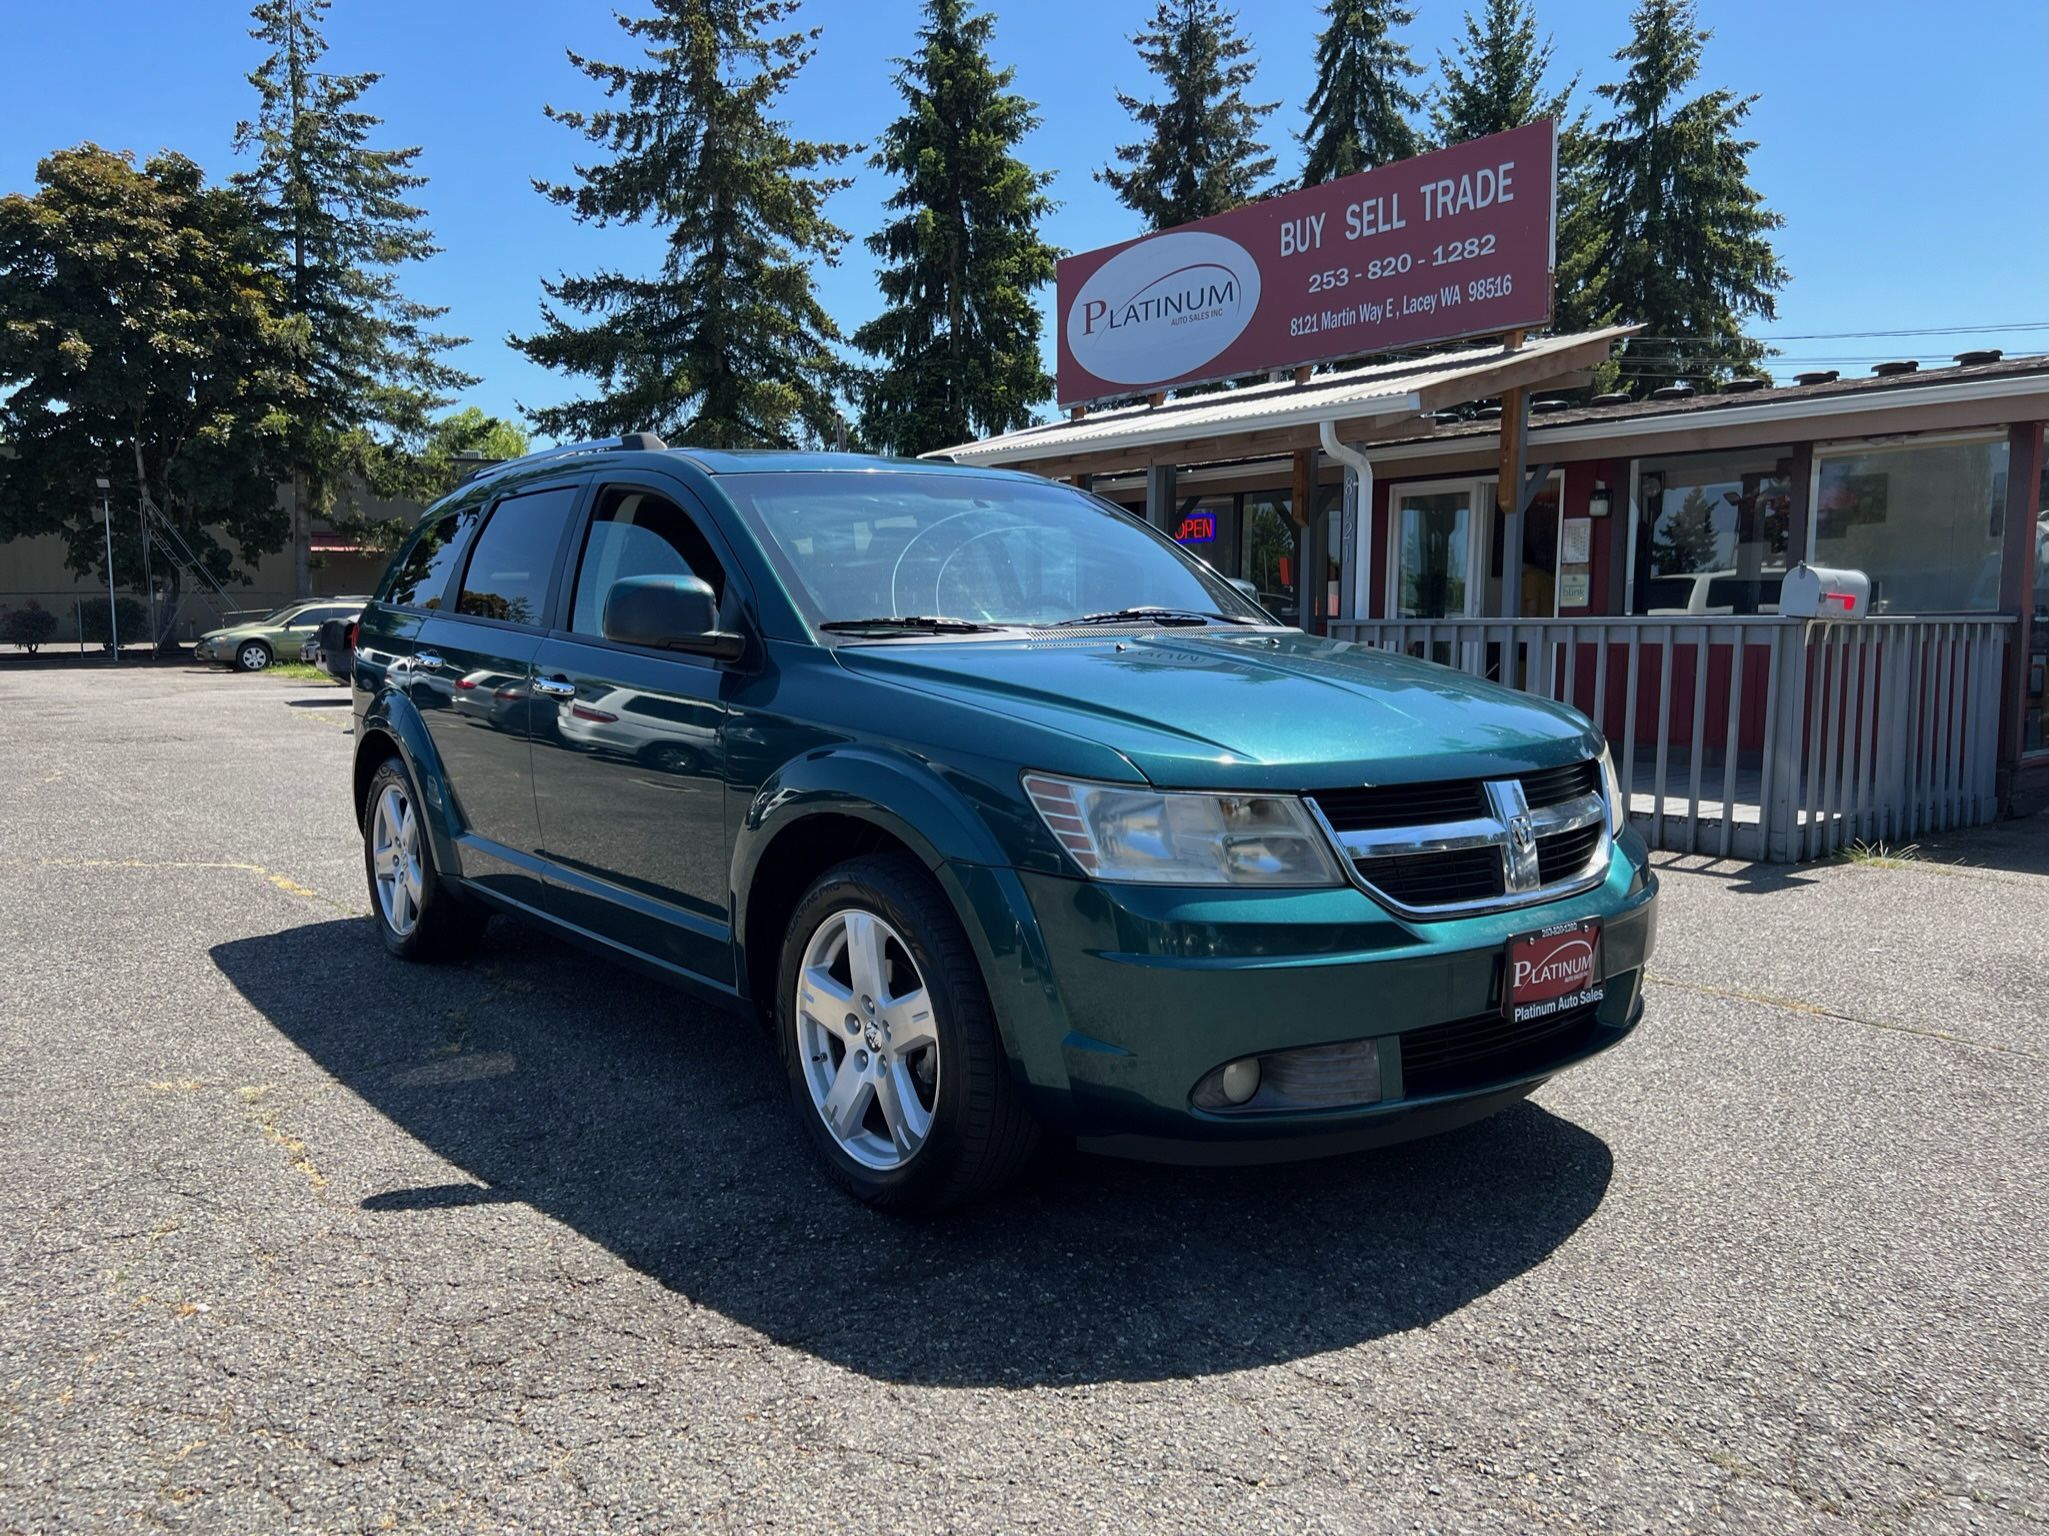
<point>1921,520</point>
<point>1712,531</point>
<point>1270,554</point>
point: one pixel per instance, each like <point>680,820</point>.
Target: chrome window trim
<point>1500,830</point>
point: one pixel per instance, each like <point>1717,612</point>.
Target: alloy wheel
<point>868,1049</point>
<point>395,860</point>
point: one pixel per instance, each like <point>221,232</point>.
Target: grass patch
<point>1883,855</point>
<point>299,672</point>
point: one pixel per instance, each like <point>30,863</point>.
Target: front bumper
<point>1123,997</point>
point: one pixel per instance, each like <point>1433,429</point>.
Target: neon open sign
<point>1197,528</point>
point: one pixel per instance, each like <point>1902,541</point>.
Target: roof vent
<point>1549,407</point>
<point>1818,376</point>
<point>1673,392</point>
<point>1979,355</point>
<point>1612,397</point>
<point>1748,384</point>
<point>1887,370</point>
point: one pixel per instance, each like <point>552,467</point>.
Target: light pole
<point>107,521</point>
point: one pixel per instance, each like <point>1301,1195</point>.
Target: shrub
<point>129,613</point>
<point>27,627</point>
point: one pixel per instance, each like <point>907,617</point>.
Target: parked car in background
<point>333,648</point>
<point>1710,593</point>
<point>1006,812</point>
<point>253,645</point>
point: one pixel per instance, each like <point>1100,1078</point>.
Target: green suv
<point>1008,815</point>
<point>253,645</point>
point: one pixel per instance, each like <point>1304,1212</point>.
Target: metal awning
<point>1283,415</point>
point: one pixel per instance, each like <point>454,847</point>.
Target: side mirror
<point>670,613</point>
<point>1250,589</point>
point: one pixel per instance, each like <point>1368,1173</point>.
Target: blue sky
<point>1907,145</point>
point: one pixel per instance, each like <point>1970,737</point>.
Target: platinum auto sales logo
<point>1565,967</point>
<point>1162,308</point>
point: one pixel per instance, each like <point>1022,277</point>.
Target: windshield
<point>875,545</point>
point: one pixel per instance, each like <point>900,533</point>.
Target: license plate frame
<point>1552,970</point>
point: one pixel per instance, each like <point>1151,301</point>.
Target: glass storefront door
<point>1434,553</point>
<point>1538,565</point>
<point>1271,554</point>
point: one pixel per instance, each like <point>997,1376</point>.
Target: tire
<point>252,656</point>
<point>977,1132</point>
<point>443,923</point>
<point>670,757</point>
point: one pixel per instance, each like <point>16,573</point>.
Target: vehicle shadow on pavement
<point>660,1129</point>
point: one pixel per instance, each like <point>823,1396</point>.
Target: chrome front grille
<point>1472,845</point>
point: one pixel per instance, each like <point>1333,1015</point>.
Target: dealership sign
<point>1454,243</point>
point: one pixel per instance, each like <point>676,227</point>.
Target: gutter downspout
<point>1358,513</point>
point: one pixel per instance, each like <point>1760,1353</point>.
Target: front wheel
<point>897,1071</point>
<point>418,914</point>
<point>252,656</point>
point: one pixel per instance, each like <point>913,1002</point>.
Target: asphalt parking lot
<point>300,1239</point>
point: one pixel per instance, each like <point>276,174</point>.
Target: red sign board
<point>1454,243</point>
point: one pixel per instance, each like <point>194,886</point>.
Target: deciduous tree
<point>726,344</point>
<point>962,260</point>
<point>144,342</point>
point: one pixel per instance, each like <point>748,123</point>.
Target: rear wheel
<point>418,914</point>
<point>252,656</point>
<point>896,1069</point>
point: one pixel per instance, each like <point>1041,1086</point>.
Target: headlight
<point>1611,791</point>
<point>1119,832</point>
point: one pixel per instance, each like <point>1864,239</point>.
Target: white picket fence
<point>1760,738</point>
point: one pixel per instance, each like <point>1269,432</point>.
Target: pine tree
<point>1359,110</point>
<point>1678,238</point>
<point>343,223</point>
<point>726,345</point>
<point>1495,80</point>
<point>959,341</point>
<point>1201,152</point>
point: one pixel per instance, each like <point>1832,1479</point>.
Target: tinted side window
<point>637,533</point>
<point>514,557</point>
<point>421,575</point>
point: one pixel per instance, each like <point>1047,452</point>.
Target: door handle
<point>427,661</point>
<point>555,687</point>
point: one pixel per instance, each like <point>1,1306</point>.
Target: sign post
<point>1456,243</point>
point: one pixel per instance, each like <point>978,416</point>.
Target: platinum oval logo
<point>1163,308</point>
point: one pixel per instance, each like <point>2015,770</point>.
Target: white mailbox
<point>1823,592</point>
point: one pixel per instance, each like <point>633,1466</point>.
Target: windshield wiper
<point>910,622</point>
<point>1161,616</point>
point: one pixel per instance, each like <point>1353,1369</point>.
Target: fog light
<point>1240,1080</point>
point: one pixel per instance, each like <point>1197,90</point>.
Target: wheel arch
<point>393,729</point>
<point>825,808</point>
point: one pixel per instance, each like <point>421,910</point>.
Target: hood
<point>1215,709</point>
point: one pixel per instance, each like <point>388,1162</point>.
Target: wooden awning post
<point>1159,496</point>
<point>1308,556</point>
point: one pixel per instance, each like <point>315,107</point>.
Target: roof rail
<point>630,442</point>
